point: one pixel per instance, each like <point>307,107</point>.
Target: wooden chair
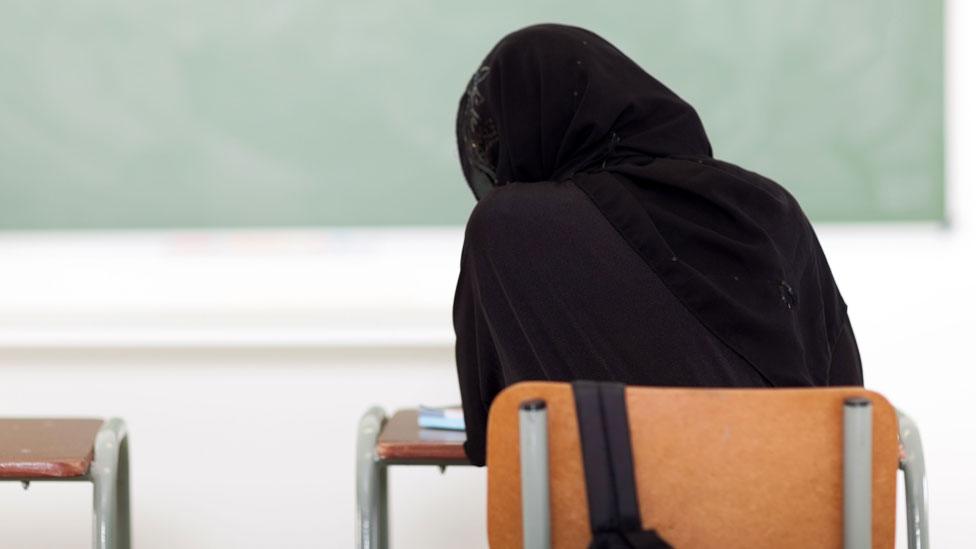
<point>717,468</point>
<point>89,450</point>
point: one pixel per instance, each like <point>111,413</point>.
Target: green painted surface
<point>207,113</point>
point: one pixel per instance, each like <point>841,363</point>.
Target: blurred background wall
<point>242,358</point>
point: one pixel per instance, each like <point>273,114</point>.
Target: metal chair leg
<point>858,477</point>
<point>371,512</point>
<point>110,476</point>
<point>534,462</point>
<point>912,464</point>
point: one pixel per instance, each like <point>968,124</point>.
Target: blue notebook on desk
<point>449,418</point>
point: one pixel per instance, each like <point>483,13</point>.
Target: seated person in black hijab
<point>608,244</point>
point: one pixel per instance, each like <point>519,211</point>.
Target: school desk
<point>384,442</point>
<point>91,450</point>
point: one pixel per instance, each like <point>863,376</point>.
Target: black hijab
<point>556,103</point>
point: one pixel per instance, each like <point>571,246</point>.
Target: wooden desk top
<point>403,441</point>
<point>46,448</point>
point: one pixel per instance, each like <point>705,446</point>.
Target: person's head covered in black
<point>552,100</point>
<point>554,107</point>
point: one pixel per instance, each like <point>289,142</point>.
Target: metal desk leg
<point>110,475</point>
<point>916,491</point>
<point>371,515</point>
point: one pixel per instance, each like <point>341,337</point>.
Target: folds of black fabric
<point>559,103</point>
<point>614,247</point>
<point>601,411</point>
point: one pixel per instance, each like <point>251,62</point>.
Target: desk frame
<point>372,518</point>
<point>109,475</point>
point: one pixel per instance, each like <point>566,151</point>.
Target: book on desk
<point>446,418</point>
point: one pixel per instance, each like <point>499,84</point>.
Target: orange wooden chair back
<point>723,468</point>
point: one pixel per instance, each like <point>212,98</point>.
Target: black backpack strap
<point>601,411</point>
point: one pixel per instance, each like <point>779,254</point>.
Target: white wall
<point>242,361</point>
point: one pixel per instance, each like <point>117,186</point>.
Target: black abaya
<point>609,245</point>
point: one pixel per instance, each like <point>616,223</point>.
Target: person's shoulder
<point>518,208</point>
<point>520,200</point>
<point>773,189</point>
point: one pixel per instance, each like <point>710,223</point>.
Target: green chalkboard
<point>250,113</point>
